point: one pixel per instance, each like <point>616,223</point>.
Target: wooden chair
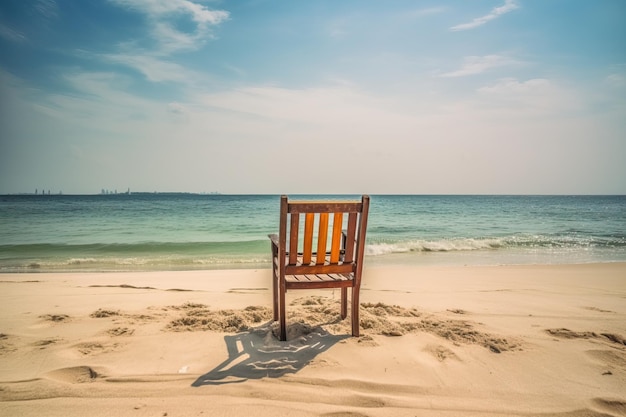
<point>302,258</point>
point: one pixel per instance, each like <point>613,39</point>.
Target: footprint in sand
<point>570,334</point>
<point>6,346</point>
<point>73,375</point>
<point>95,348</point>
<point>55,318</point>
<point>610,358</point>
<point>120,331</point>
<point>101,313</point>
<point>44,343</point>
<point>442,353</point>
<point>600,310</point>
<point>613,406</point>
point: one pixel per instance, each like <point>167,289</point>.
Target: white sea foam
<point>228,261</point>
<point>80,261</point>
<point>446,245</point>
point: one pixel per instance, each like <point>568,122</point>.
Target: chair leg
<point>282,318</point>
<point>275,292</point>
<point>344,303</point>
<point>355,312</point>
<point>275,275</point>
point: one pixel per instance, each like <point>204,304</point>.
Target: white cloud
<point>508,6</point>
<point>160,15</point>
<point>172,40</point>
<point>11,34</point>
<point>426,12</point>
<point>510,85</point>
<point>478,64</point>
<point>337,30</point>
<point>176,108</point>
<point>101,102</point>
<point>39,11</point>
<point>159,8</point>
<point>616,80</point>
<point>530,98</point>
<point>47,8</point>
<point>320,106</point>
<point>154,69</point>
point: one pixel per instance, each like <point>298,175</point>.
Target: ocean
<point>178,231</point>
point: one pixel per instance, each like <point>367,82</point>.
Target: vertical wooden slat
<point>360,248</point>
<point>293,238</point>
<point>322,237</point>
<point>350,235</point>
<point>335,249</point>
<point>308,238</point>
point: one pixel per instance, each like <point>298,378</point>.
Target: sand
<point>436,341</point>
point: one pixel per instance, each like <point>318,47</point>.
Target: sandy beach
<point>545,340</point>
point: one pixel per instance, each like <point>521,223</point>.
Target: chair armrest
<point>274,239</point>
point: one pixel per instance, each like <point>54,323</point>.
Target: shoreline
<point>435,260</point>
<point>437,341</point>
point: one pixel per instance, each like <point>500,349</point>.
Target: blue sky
<point>265,96</point>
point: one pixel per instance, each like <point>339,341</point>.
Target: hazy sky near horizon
<point>324,96</point>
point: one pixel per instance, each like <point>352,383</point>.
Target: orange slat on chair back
<point>322,237</point>
<point>335,248</point>
<point>307,251</point>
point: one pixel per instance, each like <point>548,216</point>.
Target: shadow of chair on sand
<point>257,354</point>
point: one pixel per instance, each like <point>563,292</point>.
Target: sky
<point>320,96</point>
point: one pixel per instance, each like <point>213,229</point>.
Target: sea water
<point>174,231</point>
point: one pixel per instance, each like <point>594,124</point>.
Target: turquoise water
<point>190,231</point>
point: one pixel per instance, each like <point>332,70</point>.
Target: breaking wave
<point>529,242</point>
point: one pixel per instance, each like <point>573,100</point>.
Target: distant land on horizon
<point>46,193</point>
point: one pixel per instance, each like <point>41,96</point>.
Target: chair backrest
<point>323,236</point>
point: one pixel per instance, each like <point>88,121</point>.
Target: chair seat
<point>318,278</point>
<point>315,281</point>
